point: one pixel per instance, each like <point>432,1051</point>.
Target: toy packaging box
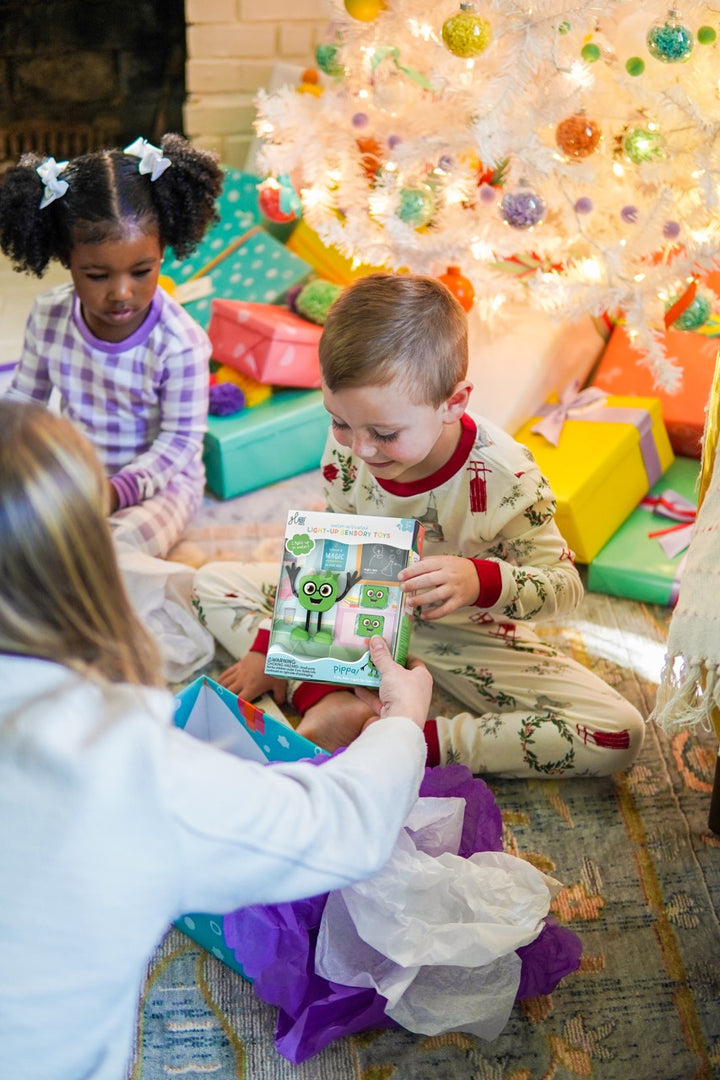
<point>338,586</point>
<point>211,713</point>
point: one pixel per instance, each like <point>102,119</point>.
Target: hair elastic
<point>53,188</point>
<point>151,158</point>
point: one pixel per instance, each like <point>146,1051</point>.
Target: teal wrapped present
<point>281,437</point>
<point>211,713</point>
<point>645,557</point>
<point>239,211</point>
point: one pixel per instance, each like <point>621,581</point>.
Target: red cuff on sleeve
<point>490,579</point>
<point>261,642</point>
<point>432,742</point>
<point>309,693</point>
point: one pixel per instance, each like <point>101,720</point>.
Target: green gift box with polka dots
<point>209,712</point>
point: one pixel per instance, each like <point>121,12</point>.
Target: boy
<point>393,358</point>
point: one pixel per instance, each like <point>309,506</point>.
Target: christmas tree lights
<point>560,152</point>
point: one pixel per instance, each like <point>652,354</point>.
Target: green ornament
<point>635,66</point>
<point>706,35</point>
<point>564,27</point>
<point>695,314</point>
<point>415,206</point>
<point>326,59</point>
<point>642,145</point>
<point>466,34</point>
<point>590,53</point>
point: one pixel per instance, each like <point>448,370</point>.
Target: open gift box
<point>644,559</point>
<point>211,713</point>
<point>258,446</point>
<point>267,341</point>
<point>608,455</point>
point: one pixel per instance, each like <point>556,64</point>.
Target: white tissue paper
<point>436,933</point>
<point>160,591</point>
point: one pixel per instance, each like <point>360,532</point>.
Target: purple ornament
<point>446,163</point>
<point>522,209</point>
<point>671,229</point>
<point>487,193</point>
<point>360,120</point>
<point>629,214</point>
<point>583,205</point>
<point>394,140</point>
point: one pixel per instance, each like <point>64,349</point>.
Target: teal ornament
<point>642,145</point>
<point>670,42</point>
<point>416,206</point>
<point>695,314</point>
<point>326,59</point>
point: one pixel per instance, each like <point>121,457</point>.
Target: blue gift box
<point>211,713</point>
<point>281,437</point>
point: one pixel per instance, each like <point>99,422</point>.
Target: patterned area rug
<point>642,888</point>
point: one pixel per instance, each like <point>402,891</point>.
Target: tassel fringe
<point>688,696</point>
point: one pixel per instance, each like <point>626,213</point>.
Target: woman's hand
<point>402,692</point>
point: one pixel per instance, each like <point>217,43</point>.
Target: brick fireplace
<point>75,74</point>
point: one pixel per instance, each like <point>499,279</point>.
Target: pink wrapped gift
<point>267,341</point>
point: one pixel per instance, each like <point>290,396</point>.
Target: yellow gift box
<point>610,451</point>
<point>325,260</point>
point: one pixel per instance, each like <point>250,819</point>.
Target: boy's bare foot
<point>335,720</point>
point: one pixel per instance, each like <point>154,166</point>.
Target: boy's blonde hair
<point>388,326</point>
<point>61,594</point>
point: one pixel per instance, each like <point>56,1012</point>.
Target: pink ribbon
<point>671,504</point>
<point>674,540</point>
<point>589,404</point>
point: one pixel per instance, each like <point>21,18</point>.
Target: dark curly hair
<point>106,193</point>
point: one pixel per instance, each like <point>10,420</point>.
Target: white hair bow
<point>54,188</point>
<point>151,158</point>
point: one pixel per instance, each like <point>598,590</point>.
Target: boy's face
<point>115,281</point>
<point>396,438</point>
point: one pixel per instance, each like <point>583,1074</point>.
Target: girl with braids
<point>128,365</point>
<point>113,822</point>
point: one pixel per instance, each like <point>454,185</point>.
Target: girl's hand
<point>113,498</point>
<point>440,584</point>
<point>248,680</point>
<point>402,691</point>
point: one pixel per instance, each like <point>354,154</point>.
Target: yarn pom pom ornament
<point>364,10</point>
<point>695,315</point>
<point>466,34</point>
<point>315,299</point>
<point>225,399</point>
<point>577,136</point>
<point>459,286</point>
<point>278,200</point>
<point>641,144</point>
<point>670,42</point>
<point>415,206</point>
<point>522,208</point>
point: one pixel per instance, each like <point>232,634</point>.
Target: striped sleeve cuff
<point>127,489</point>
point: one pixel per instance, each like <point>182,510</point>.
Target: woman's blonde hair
<point>396,326</point>
<point>61,594</point>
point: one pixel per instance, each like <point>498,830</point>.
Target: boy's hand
<point>248,680</point>
<point>402,692</point>
<point>440,584</point>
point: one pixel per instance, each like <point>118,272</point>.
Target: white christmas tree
<point>555,151</point>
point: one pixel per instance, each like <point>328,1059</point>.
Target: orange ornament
<point>459,286</point>
<point>370,150</point>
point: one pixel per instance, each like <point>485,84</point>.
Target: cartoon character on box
<point>317,591</point>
